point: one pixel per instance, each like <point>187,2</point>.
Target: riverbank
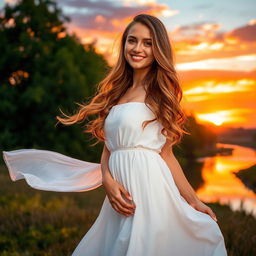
<point>49,223</point>
<point>214,150</point>
<point>248,177</point>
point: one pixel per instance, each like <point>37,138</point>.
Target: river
<point>221,185</point>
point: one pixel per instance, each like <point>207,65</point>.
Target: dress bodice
<point>123,127</point>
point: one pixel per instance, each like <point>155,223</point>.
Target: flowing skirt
<point>163,224</point>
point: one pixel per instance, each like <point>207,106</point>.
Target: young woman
<point>150,208</point>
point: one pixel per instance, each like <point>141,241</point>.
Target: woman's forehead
<point>139,30</point>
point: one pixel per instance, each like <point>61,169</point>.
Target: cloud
<point>209,92</point>
<point>192,77</point>
<point>216,87</point>
<point>101,22</point>
<point>245,33</point>
<point>205,40</point>
<point>237,63</point>
<point>199,31</point>
<point>85,14</point>
<point>198,26</point>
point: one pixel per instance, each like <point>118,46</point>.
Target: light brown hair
<point>163,94</point>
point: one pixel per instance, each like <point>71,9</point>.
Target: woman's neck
<point>138,76</point>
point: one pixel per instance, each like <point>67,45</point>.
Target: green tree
<point>201,140</point>
<point>43,68</point>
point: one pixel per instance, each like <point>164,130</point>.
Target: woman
<point>150,208</point>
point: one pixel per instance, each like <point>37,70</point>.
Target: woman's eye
<point>145,43</point>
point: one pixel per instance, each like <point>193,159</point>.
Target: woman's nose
<point>137,47</point>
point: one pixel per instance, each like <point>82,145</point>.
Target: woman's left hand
<point>200,206</point>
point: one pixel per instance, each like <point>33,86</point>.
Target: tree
<point>43,68</point>
<point>201,140</point>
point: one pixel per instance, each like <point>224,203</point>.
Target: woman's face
<point>138,47</point>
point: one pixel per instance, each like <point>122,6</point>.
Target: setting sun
<point>214,118</point>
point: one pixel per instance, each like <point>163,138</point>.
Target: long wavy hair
<point>163,93</point>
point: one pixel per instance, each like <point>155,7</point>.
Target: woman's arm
<point>181,181</point>
<point>104,164</point>
<point>114,189</point>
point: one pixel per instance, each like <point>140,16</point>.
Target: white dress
<point>163,224</point>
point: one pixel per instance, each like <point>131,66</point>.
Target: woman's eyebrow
<point>143,38</point>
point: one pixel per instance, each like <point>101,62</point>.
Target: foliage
<point>44,223</point>
<point>43,69</point>
<point>200,142</point>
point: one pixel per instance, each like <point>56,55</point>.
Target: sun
<point>214,118</point>
<point>217,121</point>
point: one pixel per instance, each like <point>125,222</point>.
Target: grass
<point>41,223</point>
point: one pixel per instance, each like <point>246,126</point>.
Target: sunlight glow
<point>239,63</point>
<point>140,2</point>
<point>100,19</point>
<point>216,46</point>
<point>225,116</point>
<point>169,13</point>
<point>201,46</point>
<point>252,22</point>
<point>211,86</point>
<point>215,118</point>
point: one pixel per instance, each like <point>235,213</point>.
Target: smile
<point>137,58</point>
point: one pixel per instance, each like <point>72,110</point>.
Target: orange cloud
<point>243,63</point>
<point>225,98</point>
<point>205,41</point>
<point>165,11</point>
<point>100,19</point>
<point>214,87</point>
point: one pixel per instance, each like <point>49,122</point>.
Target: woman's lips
<point>137,58</point>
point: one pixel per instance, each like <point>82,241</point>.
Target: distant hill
<point>240,136</point>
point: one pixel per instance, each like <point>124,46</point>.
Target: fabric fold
<point>52,171</point>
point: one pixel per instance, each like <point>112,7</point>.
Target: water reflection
<point>220,184</point>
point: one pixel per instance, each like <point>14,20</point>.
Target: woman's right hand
<point>115,192</point>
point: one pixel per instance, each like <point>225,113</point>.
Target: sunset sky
<point>214,42</point>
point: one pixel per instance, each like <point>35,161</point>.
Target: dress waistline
<point>135,148</point>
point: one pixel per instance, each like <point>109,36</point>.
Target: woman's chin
<point>138,65</point>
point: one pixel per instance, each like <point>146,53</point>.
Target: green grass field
<point>40,223</point>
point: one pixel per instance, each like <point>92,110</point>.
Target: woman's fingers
<point>117,209</point>
<point>126,193</point>
<point>114,192</point>
<point>121,206</point>
<point>132,206</point>
<point>122,209</point>
<point>115,204</point>
<point>212,214</point>
<point>124,206</point>
<point>200,206</point>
